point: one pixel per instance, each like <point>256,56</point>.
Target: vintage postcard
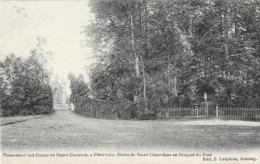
<point>130,81</point>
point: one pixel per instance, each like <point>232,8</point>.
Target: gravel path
<point>67,130</point>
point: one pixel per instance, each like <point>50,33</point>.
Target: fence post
<point>157,114</point>
<point>197,111</point>
<point>217,111</point>
<point>207,109</point>
<point>168,113</point>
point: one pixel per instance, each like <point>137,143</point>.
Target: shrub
<point>12,105</point>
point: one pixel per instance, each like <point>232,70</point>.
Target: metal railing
<point>239,112</point>
<point>182,112</point>
<point>210,112</point>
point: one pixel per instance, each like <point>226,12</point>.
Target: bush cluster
<point>13,104</point>
<point>25,89</point>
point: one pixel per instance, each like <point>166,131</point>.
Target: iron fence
<point>182,112</point>
<point>210,112</point>
<point>239,112</point>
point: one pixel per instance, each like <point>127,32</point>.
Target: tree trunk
<point>226,39</point>
<point>168,70</point>
<point>174,26</point>
<point>205,68</point>
<point>235,20</point>
<point>175,86</point>
<point>220,23</point>
<point>226,34</point>
<point>137,67</point>
<point>42,70</point>
<point>191,26</point>
<point>144,83</point>
<point>146,53</point>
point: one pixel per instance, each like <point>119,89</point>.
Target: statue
<point>205,96</point>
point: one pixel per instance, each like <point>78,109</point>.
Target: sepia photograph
<point>130,81</point>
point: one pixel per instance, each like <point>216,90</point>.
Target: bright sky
<point>60,22</point>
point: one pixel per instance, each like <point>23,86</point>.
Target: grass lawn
<point>67,130</point>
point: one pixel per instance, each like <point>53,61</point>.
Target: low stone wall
<point>105,109</point>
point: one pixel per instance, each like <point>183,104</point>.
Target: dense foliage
<point>87,105</point>
<point>172,52</point>
<point>106,109</point>
<point>25,88</point>
<point>79,89</point>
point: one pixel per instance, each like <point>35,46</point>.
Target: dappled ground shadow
<point>67,130</point>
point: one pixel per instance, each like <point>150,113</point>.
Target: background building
<point>59,91</point>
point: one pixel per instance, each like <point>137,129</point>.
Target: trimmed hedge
<point>123,109</point>
<point>104,109</point>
